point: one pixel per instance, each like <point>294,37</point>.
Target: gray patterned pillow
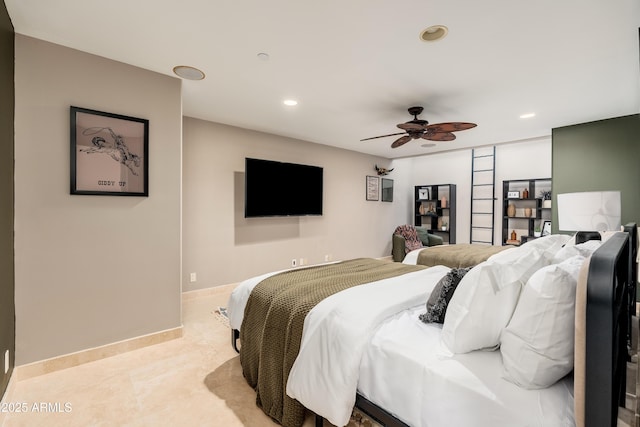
<point>441,295</point>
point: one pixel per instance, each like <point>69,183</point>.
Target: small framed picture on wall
<point>373,187</point>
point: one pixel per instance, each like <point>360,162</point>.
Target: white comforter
<point>240,296</point>
<point>365,339</point>
<point>403,370</point>
<point>324,377</point>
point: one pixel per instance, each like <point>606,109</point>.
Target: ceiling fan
<point>416,128</point>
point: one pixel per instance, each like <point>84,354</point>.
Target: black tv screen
<point>281,189</point>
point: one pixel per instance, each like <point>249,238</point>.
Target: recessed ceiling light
<point>527,115</point>
<point>428,145</point>
<point>290,102</point>
<point>263,56</point>
<point>187,72</point>
<point>434,33</point>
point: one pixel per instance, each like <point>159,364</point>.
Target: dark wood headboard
<point>632,229</point>
<point>608,317</point>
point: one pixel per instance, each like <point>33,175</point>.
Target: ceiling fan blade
<point>383,136</point>
<point>400,141</point>
<point>411,126</point>
<point>439,136</point>
<point>450,127</point>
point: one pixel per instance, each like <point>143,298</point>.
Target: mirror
<point>387,190</point>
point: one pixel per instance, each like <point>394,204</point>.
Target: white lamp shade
<point>589,211</point>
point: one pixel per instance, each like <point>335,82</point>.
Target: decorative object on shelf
<point>545,195</point>
<point>511,210</point>
<point>514,236</point>
<point>527,212</point>
<point>536,231</point>
<point>525,193</point>
<point>432,208</point>
<point>546,228</point>
<point>423,194</point>
<point>373,187</point>
<point>513,195</point>
<point>443,202</point>
<point>382,171</point>
<point>444,225</point>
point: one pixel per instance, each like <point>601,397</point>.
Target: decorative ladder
<point>483,195</point>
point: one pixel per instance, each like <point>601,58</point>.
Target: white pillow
<point>484,300</point>
<point>550,244</point>
<point>537,345</point>
<point>584,249</point>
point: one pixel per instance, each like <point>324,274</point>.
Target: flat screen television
<point>281,189</point>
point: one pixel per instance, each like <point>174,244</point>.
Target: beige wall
<point>91,270</point>
<point>222,246</point>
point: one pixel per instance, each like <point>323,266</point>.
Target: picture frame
<point>423,193</point>
<point>373,188</point>
<point>109,154</point>
<point>546,228</point>
<point>513,195</point>
<point>387,190</point>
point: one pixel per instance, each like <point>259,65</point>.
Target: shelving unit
<point>529,209</point>
<point>432,214</point>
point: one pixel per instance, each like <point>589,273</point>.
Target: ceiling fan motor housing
<point>415,111</point>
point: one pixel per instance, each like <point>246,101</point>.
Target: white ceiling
<point>355,66</point>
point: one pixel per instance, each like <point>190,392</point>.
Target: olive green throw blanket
<point>457,256</point>
<point>271,331</point>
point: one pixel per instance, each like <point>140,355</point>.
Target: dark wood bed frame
<point>611,303</point>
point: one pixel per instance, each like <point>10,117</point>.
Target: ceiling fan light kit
<point>421,129</point>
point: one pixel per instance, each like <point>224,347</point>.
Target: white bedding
<point>324,377</point>
<point>365,338</point>
<point>404,371</point>
<point>240,296</point>
<point>412,257</point>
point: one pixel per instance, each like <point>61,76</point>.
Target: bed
<point>459,255</point>
<point>377,357</point>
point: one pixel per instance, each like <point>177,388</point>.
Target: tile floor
<point>192,381</point>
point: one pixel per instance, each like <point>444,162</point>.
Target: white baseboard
<point>223,289</point>
<point>42,367</point>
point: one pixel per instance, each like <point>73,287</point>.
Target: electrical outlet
<point>294,262</point>
<point>302,261</point>
<point>6,361</point>
<point>193,277</point>
<point>327,257</point>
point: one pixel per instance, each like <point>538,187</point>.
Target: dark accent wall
<point>601,155</point>
<point>7,278</point>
